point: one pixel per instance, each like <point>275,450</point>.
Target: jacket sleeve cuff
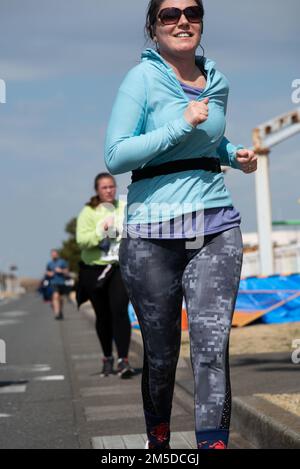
<point>232,150</point>
<point>227,153</point>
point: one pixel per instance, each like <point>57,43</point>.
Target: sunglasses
<point>172,15</point>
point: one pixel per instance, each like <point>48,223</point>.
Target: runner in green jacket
<point>98,234</point>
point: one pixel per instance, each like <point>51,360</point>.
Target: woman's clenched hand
<point>197,112</point>
<point>247,160</point>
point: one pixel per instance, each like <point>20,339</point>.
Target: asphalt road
<point>36,409</point>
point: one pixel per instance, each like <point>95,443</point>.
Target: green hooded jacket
<point>90,232</point>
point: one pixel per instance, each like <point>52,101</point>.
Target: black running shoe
<point>125,371</point>
<point>108,365</point>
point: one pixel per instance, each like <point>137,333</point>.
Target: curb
<point>264,424</point>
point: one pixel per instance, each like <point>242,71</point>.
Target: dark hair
<point>95,199</point>
<point>153,9</point>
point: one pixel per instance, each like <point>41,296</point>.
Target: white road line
<point>50,378</point>
<point>38,368</point>
<point>13,389</point>
<point>41,368</point>
<point>86,356</point>
<point>4,416</point>
<point>9,322</point>
<point>14,314</point>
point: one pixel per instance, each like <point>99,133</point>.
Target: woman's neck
<point>185,68</point>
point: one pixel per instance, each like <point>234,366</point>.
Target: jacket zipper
<point>175,79</point>
<point>201,96</point>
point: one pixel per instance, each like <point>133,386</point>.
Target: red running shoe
<point>216,445</point>
<point>161,432</point>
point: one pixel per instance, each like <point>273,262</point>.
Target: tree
<point>70,250</point>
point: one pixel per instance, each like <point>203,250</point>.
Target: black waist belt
<point>206,163</point>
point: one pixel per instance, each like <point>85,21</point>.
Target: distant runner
<point>57,271</point>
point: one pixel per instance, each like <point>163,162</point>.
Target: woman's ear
<point>153,32</point>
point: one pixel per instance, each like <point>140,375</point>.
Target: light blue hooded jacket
<point>147,127</point>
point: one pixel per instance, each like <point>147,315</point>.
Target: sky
<point>62,63</point>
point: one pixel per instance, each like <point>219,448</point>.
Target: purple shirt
<point>214,220</point>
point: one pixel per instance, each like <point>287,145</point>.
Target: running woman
<point>98,234</point>
<point>183,237</point>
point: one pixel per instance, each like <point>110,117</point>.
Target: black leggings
<point>157,273</point>
<point>111,308</point>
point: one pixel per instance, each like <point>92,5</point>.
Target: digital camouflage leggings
<point>157,273</point>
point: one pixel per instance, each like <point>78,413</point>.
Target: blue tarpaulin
<point>258,294</point>
<point>132,317</point>
<point>267,293</point>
